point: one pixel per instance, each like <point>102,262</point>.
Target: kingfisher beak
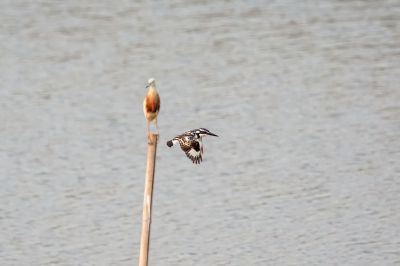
<point>212,134</point>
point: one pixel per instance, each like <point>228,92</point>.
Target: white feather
<point>194,153</point>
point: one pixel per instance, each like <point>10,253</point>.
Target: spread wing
<point>193,150</point>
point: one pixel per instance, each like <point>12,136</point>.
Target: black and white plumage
<point>191,143</point>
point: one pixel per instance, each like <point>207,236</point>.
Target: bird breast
<point>151,104</point>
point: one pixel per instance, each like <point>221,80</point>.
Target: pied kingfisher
<point>191,143</point>
<point>151,104</point>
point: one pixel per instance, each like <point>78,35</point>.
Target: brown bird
<point>151,104</point>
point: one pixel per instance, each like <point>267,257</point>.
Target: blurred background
<point>304,96</point>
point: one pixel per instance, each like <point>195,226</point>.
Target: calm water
<point>305,98</point>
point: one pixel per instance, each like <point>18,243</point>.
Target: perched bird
<point>191,143</point>
<point>151,104</point>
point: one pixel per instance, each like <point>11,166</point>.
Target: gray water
<point>304,95</point>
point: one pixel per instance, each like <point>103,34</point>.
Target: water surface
<point>305,98</point>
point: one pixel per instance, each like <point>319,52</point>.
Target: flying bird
<point>151,104</point>
<point>191,143</point>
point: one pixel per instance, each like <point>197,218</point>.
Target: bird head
<point>151,82</point>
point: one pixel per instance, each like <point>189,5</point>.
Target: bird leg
<point>158,129</point>
<point>148,131</point>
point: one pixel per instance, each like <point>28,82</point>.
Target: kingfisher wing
<point>192,149</point>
